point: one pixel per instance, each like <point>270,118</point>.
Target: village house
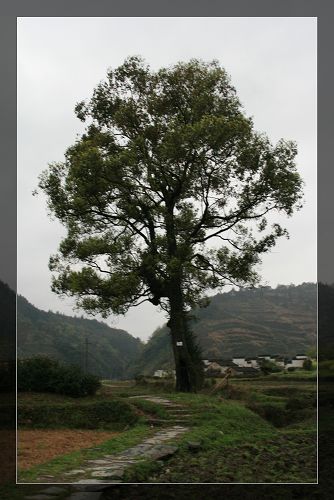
<point>160,373</point>
<point>296,362</point>
<point>241,365</point>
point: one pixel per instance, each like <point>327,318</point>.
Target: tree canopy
<point>167,193</point>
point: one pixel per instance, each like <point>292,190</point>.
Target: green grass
<point>296,375</point>
<point>239,442</point>
<point>281,458</point>
<point>138,473</point>
<point>150,408</point>
<point>217,423</point>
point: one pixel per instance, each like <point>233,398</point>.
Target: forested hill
<point>110,350</point>
<point>247,323</point>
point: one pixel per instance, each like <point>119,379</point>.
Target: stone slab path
<point>94,476</point>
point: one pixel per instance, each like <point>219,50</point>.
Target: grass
<point>240,443</point>
<point>151,408</point>
<point>270,459</point>
<point>238,439</point>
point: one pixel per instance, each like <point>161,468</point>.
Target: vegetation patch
<point>112,414</point>
<point>279,458</point>
<point>142,471</point>
<point>148,407</point>
<point>43,374</point>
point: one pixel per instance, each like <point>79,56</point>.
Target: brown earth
<point>39,446</point>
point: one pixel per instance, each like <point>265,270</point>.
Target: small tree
<point>267,366</point>
<point>168,164</point>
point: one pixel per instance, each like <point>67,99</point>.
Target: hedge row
<point>97,415</point>
<point>42,374</point>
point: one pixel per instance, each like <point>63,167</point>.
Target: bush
<point>98,414</point>
<point>267,367</point>
<point>42,374</point>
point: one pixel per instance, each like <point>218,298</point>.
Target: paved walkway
<point>94,476</point>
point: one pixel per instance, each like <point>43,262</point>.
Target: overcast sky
<point>272,64</point>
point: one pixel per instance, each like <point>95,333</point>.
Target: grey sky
<point>272,64</point>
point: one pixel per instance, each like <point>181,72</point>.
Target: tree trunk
<point>184,364</point>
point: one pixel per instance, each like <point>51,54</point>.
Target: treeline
<point>92,345</point>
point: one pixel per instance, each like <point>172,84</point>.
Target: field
<point>259,430</point>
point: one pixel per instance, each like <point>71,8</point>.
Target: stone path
<point>177,412</point>
<point>94,476</point>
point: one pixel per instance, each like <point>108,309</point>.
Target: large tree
<point>165,196</point>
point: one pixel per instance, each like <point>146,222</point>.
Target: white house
<point>295,363</point>
<point>160,373</point>
<point>240,361</point>
<point>246,362</point>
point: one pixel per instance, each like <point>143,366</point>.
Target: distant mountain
<point>109,351</point>
<point>246,323</point>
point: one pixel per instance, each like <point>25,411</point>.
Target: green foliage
<point>168,162</point>
<point>42,374</point>
<point>160,144</point>
<point>268,366</point>
<point>150,408</point>
<point>142,471</point>
<point>110,351</point>
<point>113,414</point>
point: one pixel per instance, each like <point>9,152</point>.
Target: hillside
<point>245,323</point>
<point>110,350</point>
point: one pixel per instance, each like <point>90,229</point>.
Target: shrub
<point>43,374</point>
<point>267,367</point>
<point>98,414</point>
